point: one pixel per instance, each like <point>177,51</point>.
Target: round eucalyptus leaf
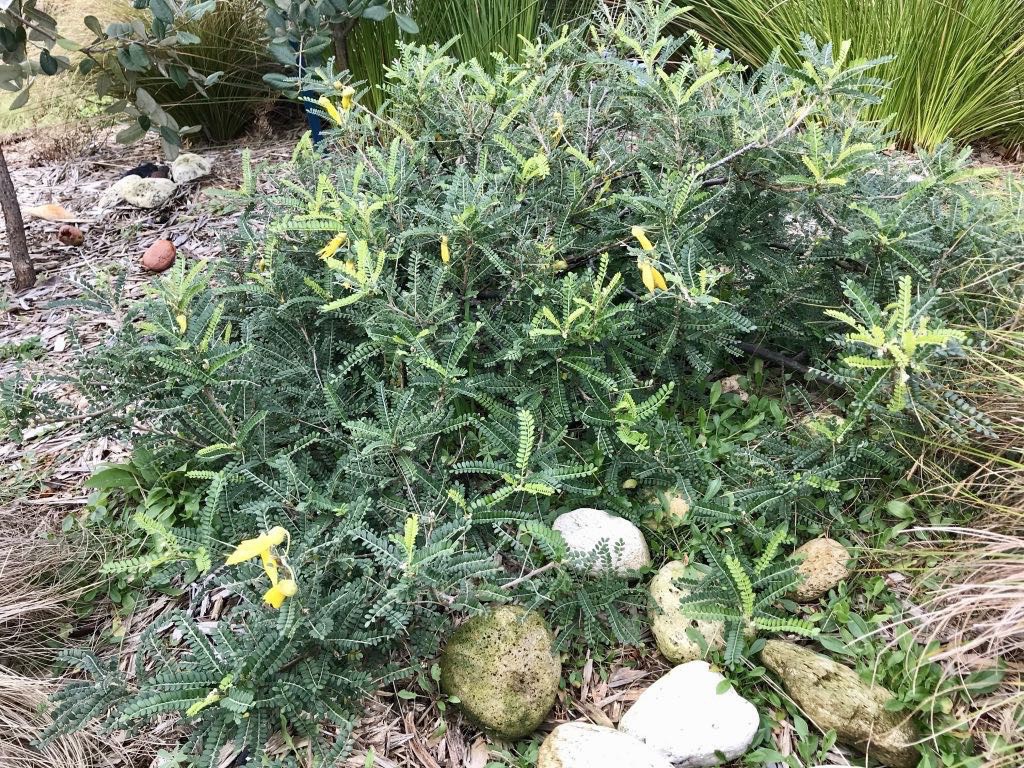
<point>47,63</point>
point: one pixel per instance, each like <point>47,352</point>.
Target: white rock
<point>141,192</point>
<point>189,167</point>
<point>683,716</point>
<point>585,530</point>
<point>582,745</point>
<point>669,622</point>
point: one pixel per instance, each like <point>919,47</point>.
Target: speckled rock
<point>824,563</point>
<point>151,192</point>
<point>189,167</point>
<point>833,696</point>
<point>731,385</point>
<point>582,745</point>
<point>684,717</point>
<point>669,622</point>
<point>503,668</point>
<point>586,531</point>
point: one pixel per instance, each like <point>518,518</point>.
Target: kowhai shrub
<point>500,297</point>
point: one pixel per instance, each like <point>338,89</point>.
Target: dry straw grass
<point>40,580</point>
<point>23,716</point>
<point>972,601</point>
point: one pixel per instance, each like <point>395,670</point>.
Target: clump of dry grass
<point>974,617</point>
<point>40,580</point>
<point>978,610</point>
<point>972,603</point>
<point>22,718</point>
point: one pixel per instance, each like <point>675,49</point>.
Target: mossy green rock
<point>503,668</point>
<point>834,696</point>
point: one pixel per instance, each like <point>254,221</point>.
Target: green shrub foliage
<point>441,330</point>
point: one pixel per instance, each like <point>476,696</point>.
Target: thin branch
<point>762,144</point>
<point>530,575</point>
<point>774,357</point>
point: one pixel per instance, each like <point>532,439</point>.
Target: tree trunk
<point>24,272</point>
<point>340,33</point>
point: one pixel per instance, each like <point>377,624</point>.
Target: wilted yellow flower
<point>211,698</point>
<point>446,254</point>
<point>641,235</point>
<point>556,134</point>
<point>329,108</point>
<point>346,97</point>
<point>332,247</point>
<point>258,547</point>
<point>275,596</point>
<point>651,276</point>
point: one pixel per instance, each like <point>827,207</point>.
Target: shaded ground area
<point>34,328</point>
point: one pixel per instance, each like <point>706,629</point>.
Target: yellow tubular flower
<point>329,108</point>
<point>641,235</point>
<point>269,566</point>
<point>346,97</point>
<point>446,254</point>
<point>647,276</point>
<point>651,276</point>
<point>258,547</point>
<point>659,279</point>
<point>332,247</point>
<point>274,597</point>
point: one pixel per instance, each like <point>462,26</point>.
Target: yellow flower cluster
<point>652,277</point>
<point>347,95</point>
<point>262,547</point>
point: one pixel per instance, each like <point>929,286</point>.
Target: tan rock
<point>669,622</point>
<point>833,696</point>
<point>675,507</point>
<point>148,192</point>
<point>824,563</point>
<point>189,167</point>
<point>50,212</point>
<point>731,384</point>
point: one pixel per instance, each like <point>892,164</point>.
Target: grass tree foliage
<point>503,296</point>
<point>956,65</point>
